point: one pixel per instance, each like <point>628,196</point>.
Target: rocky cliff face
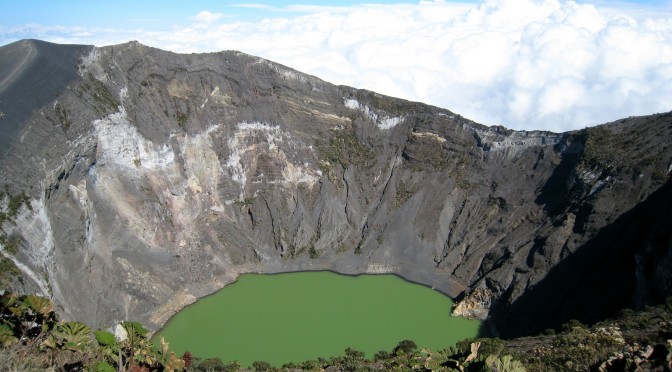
<point>152,179</point>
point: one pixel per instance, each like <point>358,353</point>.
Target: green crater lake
<point>305,315</point>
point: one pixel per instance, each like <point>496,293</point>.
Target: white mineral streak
<point>389,122</point>
<point>352,104</point>
<point>123,94</point>
<point>376,268</point>
<point>220,98</point>
<point>36,229</point>
<point>294,106</point>
<point>433,136</point>
<point>90,66</point>
<point>251,139</point>
<point>588,177</point>
<point>286,73</point>
<point>89,60</point>
<point>295,174</point>
<point>120,143</point>
<point>201,162</point>
<point>185,189</point>
<point>510,145</point>
<point>41,283</point>
<point>383,122</point>
<point>234,164</point>
<point>39,238</point>
<point>81,194</point>
<point>516,139</point>
<point>599,185</point>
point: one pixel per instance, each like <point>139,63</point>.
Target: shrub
<point>260,366</point>
<point>405,347</point>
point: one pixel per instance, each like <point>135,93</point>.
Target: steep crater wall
<point>154,179</point>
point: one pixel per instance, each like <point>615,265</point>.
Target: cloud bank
<point>525,64</point>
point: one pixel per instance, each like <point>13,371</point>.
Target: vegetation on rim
<point>97,95</point>
<point>32,337</point>
<point>343,149</point>
<point>603,152</point>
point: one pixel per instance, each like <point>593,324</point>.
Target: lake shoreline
<point>392,287</point>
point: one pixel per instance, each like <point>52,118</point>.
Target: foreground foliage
<point>639,341</point>
<point>32,338</point>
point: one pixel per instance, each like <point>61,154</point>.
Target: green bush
<point>29,322</point>
<point>261,366</point>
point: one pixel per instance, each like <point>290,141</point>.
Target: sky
<point>525,64</point>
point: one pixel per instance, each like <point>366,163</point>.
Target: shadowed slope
<point>625,265</point>
<point>32,73</point>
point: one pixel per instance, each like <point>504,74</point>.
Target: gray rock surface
<point>157,178</point>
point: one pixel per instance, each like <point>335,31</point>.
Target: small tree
<point>352,359</point>
<point>187,360</point>
<point>260,366</point>
<point>210,364</point>
<point>405,347</point>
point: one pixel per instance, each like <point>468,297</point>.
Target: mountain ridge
<point>166,175</point>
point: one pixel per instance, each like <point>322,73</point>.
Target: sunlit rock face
<point>156,178</point>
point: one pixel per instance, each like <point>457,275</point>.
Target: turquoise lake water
<point>305,315</point>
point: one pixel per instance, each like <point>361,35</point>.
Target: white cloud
<point>205,18</point>
<point>525,64</point>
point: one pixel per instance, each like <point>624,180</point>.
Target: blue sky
<point>148,14</point>
<point>525,64</point>
<point>157,14</point>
